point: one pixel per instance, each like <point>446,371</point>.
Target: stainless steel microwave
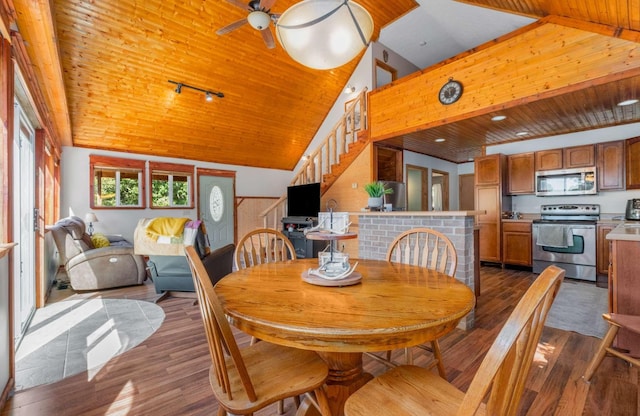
<point>578,181</point>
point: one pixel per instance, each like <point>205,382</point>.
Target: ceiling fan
<point>259,17</point>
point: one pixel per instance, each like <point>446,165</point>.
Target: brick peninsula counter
<point>376,231</point>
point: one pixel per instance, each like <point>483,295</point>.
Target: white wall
<point>417,159</point>
<point>75,198</point>
<point>361,77</point>
<point>611,203</point>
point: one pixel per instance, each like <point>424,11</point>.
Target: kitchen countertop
<point>627,231</point>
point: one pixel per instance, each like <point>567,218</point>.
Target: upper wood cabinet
<point>610,163</point>
<point>549,159</point>
<point>567,158</point>
<point>488,170</point>
<point>632,150</point>
<point>579,156</point>
<point>521,174</point>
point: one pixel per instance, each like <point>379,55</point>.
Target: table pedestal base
<point>346,375</point>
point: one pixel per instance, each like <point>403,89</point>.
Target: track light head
<point>208,93</point>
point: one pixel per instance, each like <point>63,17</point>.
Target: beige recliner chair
<point>90,268</point>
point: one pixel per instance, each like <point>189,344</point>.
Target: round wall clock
<point>450,92</point>
<point>216,203</point>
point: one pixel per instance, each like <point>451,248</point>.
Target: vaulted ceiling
<point>104,68</point>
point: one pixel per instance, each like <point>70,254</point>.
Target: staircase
<point>338,150</point>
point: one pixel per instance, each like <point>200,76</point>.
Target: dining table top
<point>393,306</point>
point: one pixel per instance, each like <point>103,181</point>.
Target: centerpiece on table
<point>377,191</point>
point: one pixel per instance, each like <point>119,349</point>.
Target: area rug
<point>67,338</point>
<point>579,307</point>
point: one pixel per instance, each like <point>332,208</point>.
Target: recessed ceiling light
<point>440,140</point>
<point>423,43</point>
<point>627,102</point>
<point>498,118</point>
<point>522,133</point>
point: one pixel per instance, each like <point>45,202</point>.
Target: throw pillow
<point>99,240</point>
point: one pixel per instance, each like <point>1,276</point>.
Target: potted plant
<point>376,191</point>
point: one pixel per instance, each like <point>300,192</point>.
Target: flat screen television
<point>303,200</point>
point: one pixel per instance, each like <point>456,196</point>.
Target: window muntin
<point>116,182</point>
<point>171,185</point>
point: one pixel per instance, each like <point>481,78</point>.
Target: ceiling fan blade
<point>266,4</point>
<point>233,26</point>
<point>238,3</point>
<point>268,38</point>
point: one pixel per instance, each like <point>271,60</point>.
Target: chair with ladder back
<point>249,379</point>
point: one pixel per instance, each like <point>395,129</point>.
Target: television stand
<point>293,228</point>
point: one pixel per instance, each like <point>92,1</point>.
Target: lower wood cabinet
<point>602,248</point>
<point>516,243</point>
<point>624,289</point>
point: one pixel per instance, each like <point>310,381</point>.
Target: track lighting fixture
<point>208,94</point>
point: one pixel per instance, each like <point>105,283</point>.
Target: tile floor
<point>72,336</point>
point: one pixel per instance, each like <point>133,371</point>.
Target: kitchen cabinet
<point>611,161</point>
<point>579,156</point>
<point>521,177</point>
<point>624,288</point>
<point>516,243</point>
<point>489,169</point>
<point>602,248</point>
<point>632,151</point>
<point>490,196</point>
<point>566,158</point>
<point>548,159</point>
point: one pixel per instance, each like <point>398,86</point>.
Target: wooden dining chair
<point>263,245</point>
<point>615,321</point>
<point>426,248</point>
<point>245,381</point>
<point>412,390</point>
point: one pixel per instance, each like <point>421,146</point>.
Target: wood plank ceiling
<point>111,89</point>
<point>590,106</point>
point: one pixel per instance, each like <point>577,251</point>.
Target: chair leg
<point>437,355</point>
<point>321,401</point>
<point>602,351</point>
<point>408,356</point>
<point>281,407</point>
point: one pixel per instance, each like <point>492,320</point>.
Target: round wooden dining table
<point>392,306</point>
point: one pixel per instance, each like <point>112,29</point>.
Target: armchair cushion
<point>90,268</point>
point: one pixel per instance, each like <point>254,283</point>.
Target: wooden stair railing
<point>344,143</point>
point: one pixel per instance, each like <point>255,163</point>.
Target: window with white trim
<point>171,185</point>
<point>117,182</point>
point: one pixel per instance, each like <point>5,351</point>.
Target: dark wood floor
<point>167,374</point>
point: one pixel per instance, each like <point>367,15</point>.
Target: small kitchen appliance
<point>633,210</point>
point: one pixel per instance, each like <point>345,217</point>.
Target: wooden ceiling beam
<point>35,23</point>
<point>549,59</point>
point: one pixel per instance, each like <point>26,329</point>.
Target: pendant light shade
<point>324,34</point>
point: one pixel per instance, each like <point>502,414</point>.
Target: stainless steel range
<point>565,235</point>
